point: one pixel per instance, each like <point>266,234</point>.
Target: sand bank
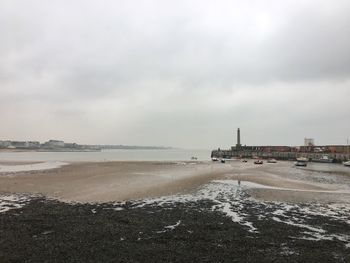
<point>112,181</point>
<point>25,167</point>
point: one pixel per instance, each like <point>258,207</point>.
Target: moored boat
<point>258,161</point>
<point>271,160</point>
<point>347,163</point>
<point>323,159</point>
<point>301,161</point>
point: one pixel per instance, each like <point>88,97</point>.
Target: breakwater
<point>279,155</point>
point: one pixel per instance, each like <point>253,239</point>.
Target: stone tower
<point>238,145</point>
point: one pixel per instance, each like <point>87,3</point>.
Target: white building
<point>309,142</point>
<point>54,143</point>
<point>5,144</point>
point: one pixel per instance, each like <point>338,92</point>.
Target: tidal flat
<point>175,212</point>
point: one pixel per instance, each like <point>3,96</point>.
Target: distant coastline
<point>61,146</point>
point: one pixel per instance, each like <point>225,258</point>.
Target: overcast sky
<point>175,73</point>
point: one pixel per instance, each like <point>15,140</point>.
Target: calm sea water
<point>109,155</point>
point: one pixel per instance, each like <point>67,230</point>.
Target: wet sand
<point>112,181</point>
<point>118,181</point>
<point>16,163</point>
<point>298,185</point>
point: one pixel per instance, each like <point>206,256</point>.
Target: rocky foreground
<point>221,223</point>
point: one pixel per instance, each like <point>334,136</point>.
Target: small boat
<point>301,161</point>
<point>194,158</point>
<point>323,159</point>
<point>222,160</point>
<point>244,161</point>
<point>214,159</point>
<point>271,160</point>
<point>347,163</point>
<point>258,161</point>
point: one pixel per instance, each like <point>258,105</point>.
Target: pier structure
<point>338,153</point>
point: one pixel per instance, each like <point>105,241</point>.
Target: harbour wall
<point>241,153</point>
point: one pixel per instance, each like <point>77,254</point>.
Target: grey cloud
<point>155,65</point>
<point>311,46</point>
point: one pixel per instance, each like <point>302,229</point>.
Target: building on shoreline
<point>54,145</point>
<point>5,144</point>
<point>61,146</point>
<point>309,142</point>
<point>20,144</point>
<point>337,152</point>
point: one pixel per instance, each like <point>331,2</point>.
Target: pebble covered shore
<point>220,223</point>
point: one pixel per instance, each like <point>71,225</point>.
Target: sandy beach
<point>112,181</point>
<point>119,181</point>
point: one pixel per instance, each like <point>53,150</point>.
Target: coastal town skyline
<point>182,74</point>
<point>57,144</point>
